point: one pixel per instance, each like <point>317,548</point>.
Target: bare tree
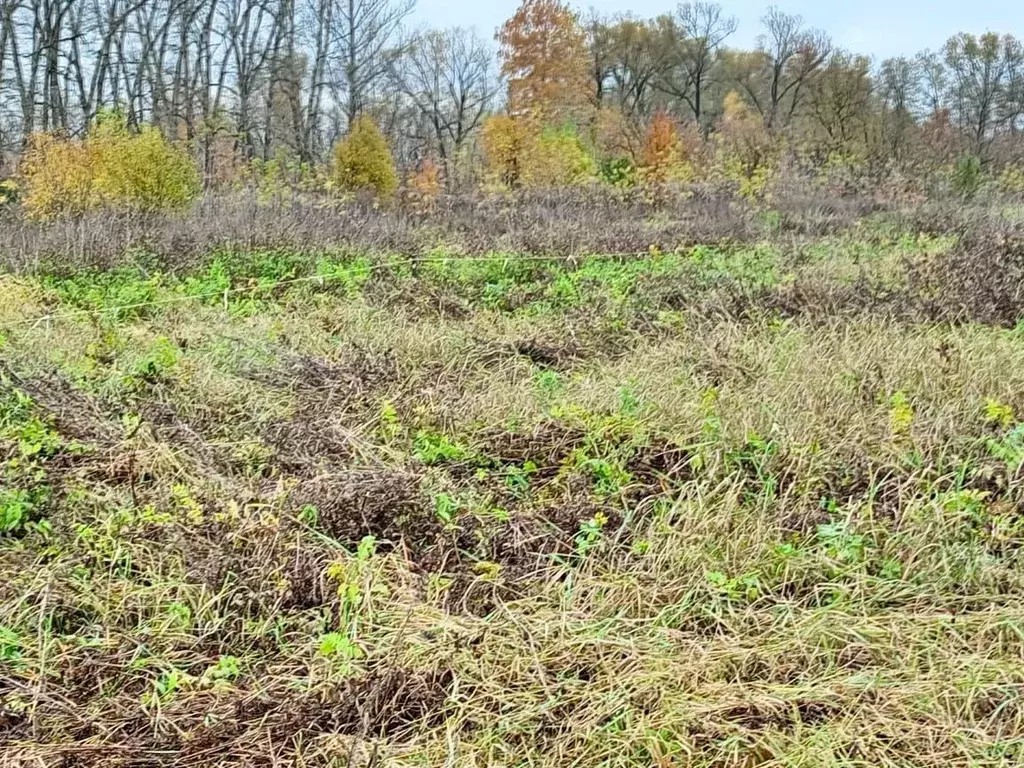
<point>898,82</point>
<point>365,42</point>
<point>933,81</point>
<point>982,88</point>
<point>839,103</point>
<point>317,18</point>
<point>449,78</point>
<point>702,29</point>
<point>637,57</point>
<point>790,55</point>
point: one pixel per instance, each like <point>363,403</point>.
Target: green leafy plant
<point>225,671</point>
<point>1009,447</point>
<point>341,651</point>
<point>999,414</point>
<point>166,686</point>
<point>901,414</point>
<point>350,575</point>
<point>33,443</point>
<point>548,383</point>
<point>590,533</point>
<point>517,479</point>
<point>390,425</point>
<point>159,360</point>
<point>15,507</point>
<point>446,507</point>
<point>309,515</point>
<point>967,175</point>
<point>435,448</point>
<point>347,277</point>
<point>736,589</point>
<point>10,647</point>
<point>618,171</point>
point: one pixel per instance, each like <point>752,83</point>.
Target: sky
<point>880,28</point>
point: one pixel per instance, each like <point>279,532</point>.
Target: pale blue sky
<point>877,27</point>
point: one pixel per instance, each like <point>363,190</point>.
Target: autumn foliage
<point>520,153</point>
<point>111,167</point>
<point>662,157</point>
<point>544,60</point>
<point>508,143</point>
<point>561,159</point>
<point>745,150</point>
<point>424,186</point>
<point>363,161</point>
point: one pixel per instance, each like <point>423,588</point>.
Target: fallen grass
<point>509,513</point>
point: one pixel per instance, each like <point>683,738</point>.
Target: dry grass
<point>527,514</point>
<point>562,222</point>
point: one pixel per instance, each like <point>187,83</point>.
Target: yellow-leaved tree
<point>363,161</point>
<point>112,167</point>
<point>745,151</point>
<point>141,170</point>
<point>519,153</point>
<point>508,143</point>
<point>560,159</point>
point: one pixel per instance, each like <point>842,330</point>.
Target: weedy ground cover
<point>736,504</point>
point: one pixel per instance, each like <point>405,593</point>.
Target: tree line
<point>255,79</point>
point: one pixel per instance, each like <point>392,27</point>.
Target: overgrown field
<point>749,503</point>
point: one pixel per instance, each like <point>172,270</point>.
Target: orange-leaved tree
<point>544,60</point>
<point>663,156</point>
<point>424,186</point>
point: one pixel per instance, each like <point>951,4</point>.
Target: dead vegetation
<point>735,506</point>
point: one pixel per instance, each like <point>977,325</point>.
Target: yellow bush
<point>110,168</point>
<point>144,171</point>
<point>282,175</point>
<point>519,153</point>
<point>9,192</point>
<point>559,160</point>
<point>363,161</point>
<point>1012,180</point>
<point>744,150</point>
<point>58,177</point>
<point>508,142</point>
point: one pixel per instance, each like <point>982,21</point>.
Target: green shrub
<point>8,192</point>
<point>967,175</point>
<point>561,159</point>
<point>618,171</point>
<point>363,161</point>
